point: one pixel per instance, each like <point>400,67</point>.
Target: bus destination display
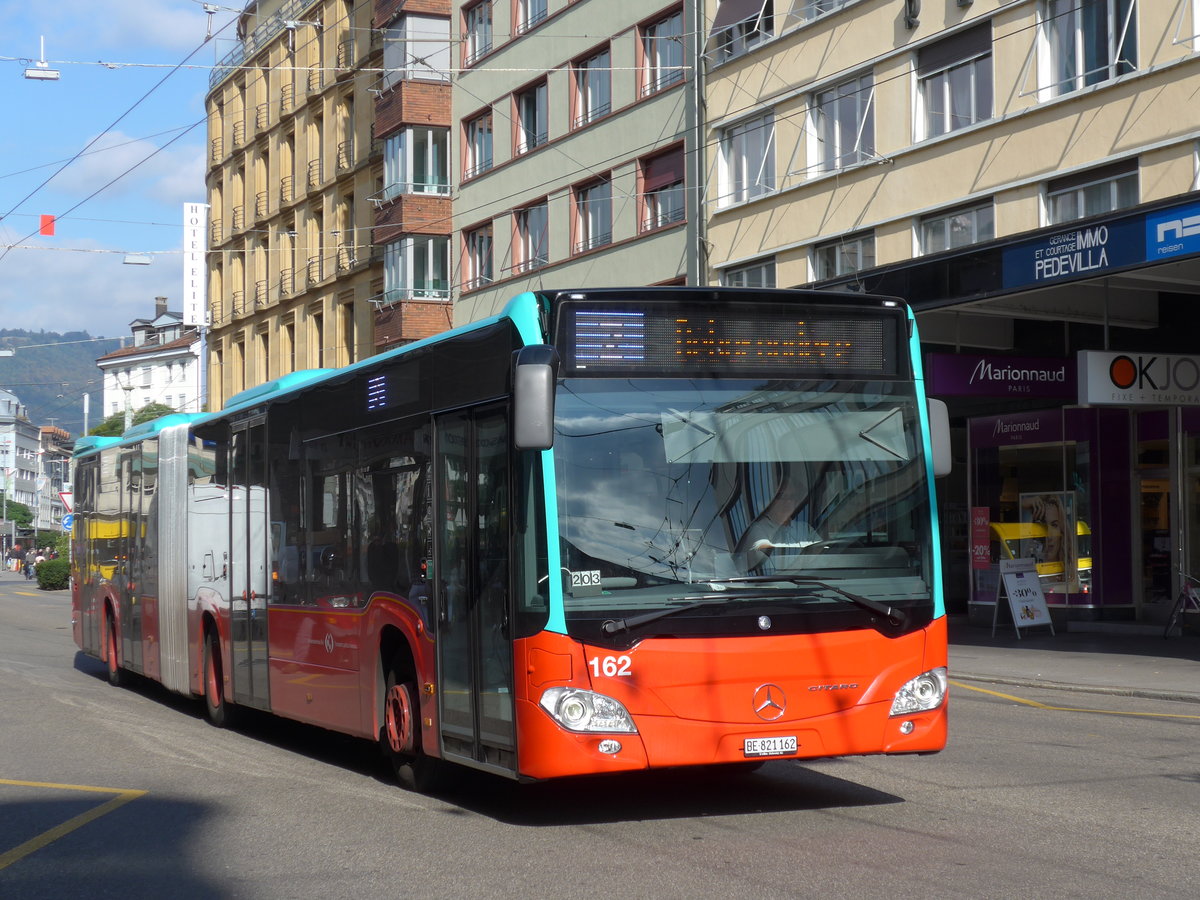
<point>630,340</point>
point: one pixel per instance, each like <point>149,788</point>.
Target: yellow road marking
<point>1046,706</point>
<point>27,594</point>
<point>42,840</point>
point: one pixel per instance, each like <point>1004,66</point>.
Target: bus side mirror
<point>939,437</point>
<point>535,374</point>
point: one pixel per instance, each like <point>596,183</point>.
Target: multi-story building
<point>18,451</point>
<point>161,365</point>
<point>291,165</point>
<point>412,209</point>
<point>574,142</point>
<point>1024,173</point>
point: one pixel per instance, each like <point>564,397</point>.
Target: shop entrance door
<point>1154,509</point>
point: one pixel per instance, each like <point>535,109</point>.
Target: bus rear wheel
<point>116,675</point>
<point>400,737</point>
<point>215,707</point>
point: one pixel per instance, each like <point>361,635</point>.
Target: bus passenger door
<point>474,639</point>
<point>248,562</point>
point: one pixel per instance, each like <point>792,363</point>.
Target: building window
<point>477,31</point>
<point>1090,41</point>
<point>533,236</point>
<point>811,9</point>
<point>531,118</point>
<point>758,274</point>
<point>593,216</point>
<point>662,53</point>
<point>844,256</point>
<point>478,257</point>
<point>844,124</point>
<point>414,162</point>
<point>747,160</point>
<point>478,146</point>
<point>958,228</point>
<point>1093,192</point>
<point>662,190</point>
<point>735,38</point>
<point>529,14</point>
<point>955,80</point>
<point>593,91</point>
<point>416,47</point>
<point>417,266</point>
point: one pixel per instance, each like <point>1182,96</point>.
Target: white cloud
<point>66,290</point>
<point>172,175</point>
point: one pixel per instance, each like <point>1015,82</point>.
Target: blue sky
<point>111,55</point>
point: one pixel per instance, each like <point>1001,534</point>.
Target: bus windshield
<point>735,506</point>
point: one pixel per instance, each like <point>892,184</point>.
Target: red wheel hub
<point>399,718</point>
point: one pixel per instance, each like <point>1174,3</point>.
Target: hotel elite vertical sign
<point>195,273</point>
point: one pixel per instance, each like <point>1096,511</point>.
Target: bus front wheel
<point>400,737</point>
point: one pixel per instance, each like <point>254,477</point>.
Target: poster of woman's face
<point>1055,512</point>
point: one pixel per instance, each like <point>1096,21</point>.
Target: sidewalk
<point>1111,659</point>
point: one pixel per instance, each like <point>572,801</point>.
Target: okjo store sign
<point>1138,379</point>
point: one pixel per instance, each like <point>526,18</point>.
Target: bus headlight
<point>925,692</point>
<point>585,711</point>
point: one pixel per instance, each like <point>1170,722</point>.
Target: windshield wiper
<point>897,617</point>
<point>696,601</point>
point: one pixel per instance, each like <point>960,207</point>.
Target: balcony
<point>287,282</point>
<point>345,53</point>
<point>214,231</point>
<point>260,294</point>
<point>260,205</point>
<point>239,132</point>
<point>315,270</point>
<point>239,303</point>
<point>315,81</point>
<point>262,116</point>
<point>345,155</point>
<point>287,98</point>
<point>346,257</point>
<point>217,148</point>
<point>314,173</point>
<point>239,218</point>
<point>286,189</point>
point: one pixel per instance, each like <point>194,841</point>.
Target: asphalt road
<point>128,792</point>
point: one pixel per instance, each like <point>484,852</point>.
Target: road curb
<point>1143,693</point>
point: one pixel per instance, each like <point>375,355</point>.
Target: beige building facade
<point>575,147</point>
<point>291,165</point>
<point>1024,174</point>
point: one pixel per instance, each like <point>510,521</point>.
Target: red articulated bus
<point>603,531</point>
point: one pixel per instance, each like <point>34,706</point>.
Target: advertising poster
<point>1053,543</point>
<point>981,550</point>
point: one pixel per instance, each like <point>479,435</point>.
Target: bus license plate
<point>769,746</point>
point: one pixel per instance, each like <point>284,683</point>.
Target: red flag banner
<point>47,226</point>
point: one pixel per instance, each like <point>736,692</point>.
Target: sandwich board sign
<point>1019,583</point>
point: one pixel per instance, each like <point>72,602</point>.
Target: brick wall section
<point>412,103</point>
<point>412,214</point>
<point>410,320</point>
<point>386,10</point>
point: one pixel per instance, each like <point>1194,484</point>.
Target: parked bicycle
<point>1189,598</point>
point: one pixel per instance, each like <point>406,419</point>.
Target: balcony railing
<point>287,282</point>
<point>239,218</point>
<point>287,98</point>
<point>239,132</point>
<point>286,189</point>
<point>214,231</point>
<point>345,155</point>
<point>346,258</point>
<point>218,148</point>
<point>592,242</point>
<point>314,173</point>
<point>260,294</point>
<point>314,270</point>
<point>260,205</point>
<point>239,303</point>
<point>262,116</point>
<point>345,53</point>
<point>315,80</point>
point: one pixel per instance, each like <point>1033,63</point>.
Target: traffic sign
<point>68,520</point>
<point>68,499</point>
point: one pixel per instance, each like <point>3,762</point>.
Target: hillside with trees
<point>51,372</point>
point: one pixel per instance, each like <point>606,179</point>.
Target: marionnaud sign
<point>1138,379</point>
<point>1035,427</point>
<point>973,375</point>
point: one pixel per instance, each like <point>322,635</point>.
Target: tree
<point>17,512</point>
<point>114,425</point>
